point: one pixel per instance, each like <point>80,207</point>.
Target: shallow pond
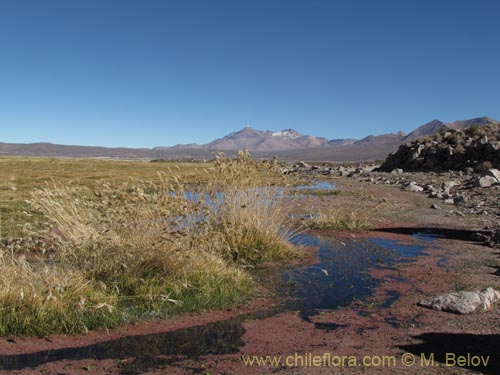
<point>317,185</point>
<point>339,277</point>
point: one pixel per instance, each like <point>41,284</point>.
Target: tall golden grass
<point>109,255</point>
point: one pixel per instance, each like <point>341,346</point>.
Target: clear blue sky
<point>147,73</point>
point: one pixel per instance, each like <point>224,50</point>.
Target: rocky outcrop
<point>476,148</point>
<point>463,302</point>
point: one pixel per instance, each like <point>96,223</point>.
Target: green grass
<point>65,299</point>
<point>20,175</point>
<point>339,219</point>
<point>101,244</point>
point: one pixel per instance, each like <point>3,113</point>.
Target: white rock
<point>493,173</point>
<point>485,181</point>
<point>416,188</point>
<point>463,302</point>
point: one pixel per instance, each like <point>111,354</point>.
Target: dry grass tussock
<point>108,255</point>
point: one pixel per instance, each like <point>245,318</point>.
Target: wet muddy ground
<point>355,297</point>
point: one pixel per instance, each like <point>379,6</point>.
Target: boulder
<point>412,186</point>
<point>493,173</point>
<point>463,302</point>
<point>415,188</point>
<point>485,181</point>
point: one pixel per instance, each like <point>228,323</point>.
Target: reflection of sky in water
<point>340,276</point>
<point>318,185</point>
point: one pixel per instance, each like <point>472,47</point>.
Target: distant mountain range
<point>288,144</point>
<point>261,141</point>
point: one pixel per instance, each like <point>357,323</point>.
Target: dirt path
<point>376,335</point>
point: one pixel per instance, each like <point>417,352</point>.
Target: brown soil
<point>365,327</point>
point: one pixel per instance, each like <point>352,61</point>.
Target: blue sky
<point>147,73</point>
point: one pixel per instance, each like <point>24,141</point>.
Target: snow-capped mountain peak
<point>289,133</point>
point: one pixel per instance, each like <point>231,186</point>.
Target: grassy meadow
<point>20,175</point>
<point>93,244</point>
